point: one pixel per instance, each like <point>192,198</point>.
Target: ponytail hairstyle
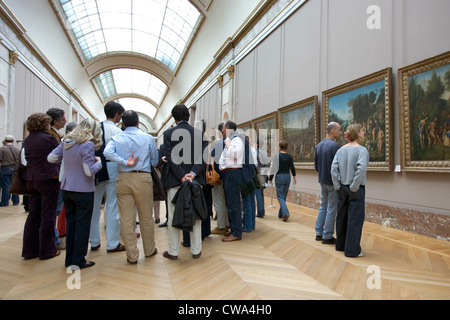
<point>87,130</point>
<point>352,132</point>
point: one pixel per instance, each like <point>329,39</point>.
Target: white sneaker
<point>361,254</point>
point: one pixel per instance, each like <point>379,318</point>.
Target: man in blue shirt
<point>324,155</point>
<point>134,152</point>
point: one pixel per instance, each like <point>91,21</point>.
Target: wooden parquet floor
<point>277,261</point>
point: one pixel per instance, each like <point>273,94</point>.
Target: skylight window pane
<point>130,81</point>
<point>118,39</point>
<point>124,22</point>
<point>145,43</point>
<point>105,84</point>
<point>139,105</point>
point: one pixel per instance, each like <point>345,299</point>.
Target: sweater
<point>349,167</point>
<point>80,165</point>
<point>323,158</point>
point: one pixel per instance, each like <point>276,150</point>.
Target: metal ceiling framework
<point>130,49</point>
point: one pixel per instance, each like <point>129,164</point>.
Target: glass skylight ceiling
<point>130,81</point>
<point>138,105</point>
<point>160,29</point>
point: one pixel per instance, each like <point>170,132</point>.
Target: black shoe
<point>162,225</point>
<point>318,238</point>
<point>332,240</point>
<point>95,248</point>
<point>87,264</point>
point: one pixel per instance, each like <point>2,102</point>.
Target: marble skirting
<point>424,223</point>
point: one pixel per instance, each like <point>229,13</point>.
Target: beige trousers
<point>220,206</point>
<point>173,234</point>
<point>135,189</point>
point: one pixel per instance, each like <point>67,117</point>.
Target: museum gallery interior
<point>281,68</point>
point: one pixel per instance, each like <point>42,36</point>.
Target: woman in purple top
<point>43,187</point>
<point>77,151</point>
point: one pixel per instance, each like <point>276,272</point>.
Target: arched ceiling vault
<point>131,49</point>
<point>130,60</point>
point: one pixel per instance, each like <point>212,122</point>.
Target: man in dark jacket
<point>183,147</point>
<point>190,206</point>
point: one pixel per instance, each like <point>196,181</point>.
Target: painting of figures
<point>365,101</point>
<point>265,129</point>
<point>425,104</point>
<point>300,128</point>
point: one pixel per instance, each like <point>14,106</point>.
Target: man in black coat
<point>183,147</point>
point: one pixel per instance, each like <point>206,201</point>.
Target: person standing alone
<point>9,155</point>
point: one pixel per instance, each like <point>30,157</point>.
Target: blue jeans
<point>5,182</point>
<point>232,182</point>
<point>249,205</point>
<point>327,212</point>
<point>350,220</point>
<point>112,218</point>
<point>58,212</point>
<point>260,203</point>
<point>282,183</point>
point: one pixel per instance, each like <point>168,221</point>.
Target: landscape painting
<point>425,105</point>
<point>266,130</point>
<point>366,101</point>
<point>299,125</point>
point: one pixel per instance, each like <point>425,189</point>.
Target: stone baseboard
<point>424,223</point>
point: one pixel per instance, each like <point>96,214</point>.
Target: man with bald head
<point>324,155</point>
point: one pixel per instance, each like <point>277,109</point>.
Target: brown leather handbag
<point>18,183</point>
<point>212,176</point>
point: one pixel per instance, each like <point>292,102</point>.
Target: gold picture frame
<point>368,101</point>
<point>424,108</point>
<point>299,126</point>
<point>267,141</point>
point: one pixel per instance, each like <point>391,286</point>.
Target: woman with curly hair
<point>43,186</point>
<point>77,151</point>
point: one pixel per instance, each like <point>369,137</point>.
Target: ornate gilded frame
<point>245,127</point>
<point>353,90</point>
<point>410,133</point>
<point>301,145</point>
<point>268,122</point>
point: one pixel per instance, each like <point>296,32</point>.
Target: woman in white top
<point>348,172</point>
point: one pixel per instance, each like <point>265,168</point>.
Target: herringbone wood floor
<point>279,260</point>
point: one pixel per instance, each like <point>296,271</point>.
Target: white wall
<point>45,30</point>
<point>327,43</point>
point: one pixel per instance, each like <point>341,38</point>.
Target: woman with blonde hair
<point>348,172</point>
<point>77,151</point>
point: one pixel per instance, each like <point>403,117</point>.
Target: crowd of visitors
<point>69,177</point>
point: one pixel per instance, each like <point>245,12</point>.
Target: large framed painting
<point>424,102</point>
<point>299,126</point>
<point>266,130</point>
<point>367,101</point>
<point>244,128</point>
